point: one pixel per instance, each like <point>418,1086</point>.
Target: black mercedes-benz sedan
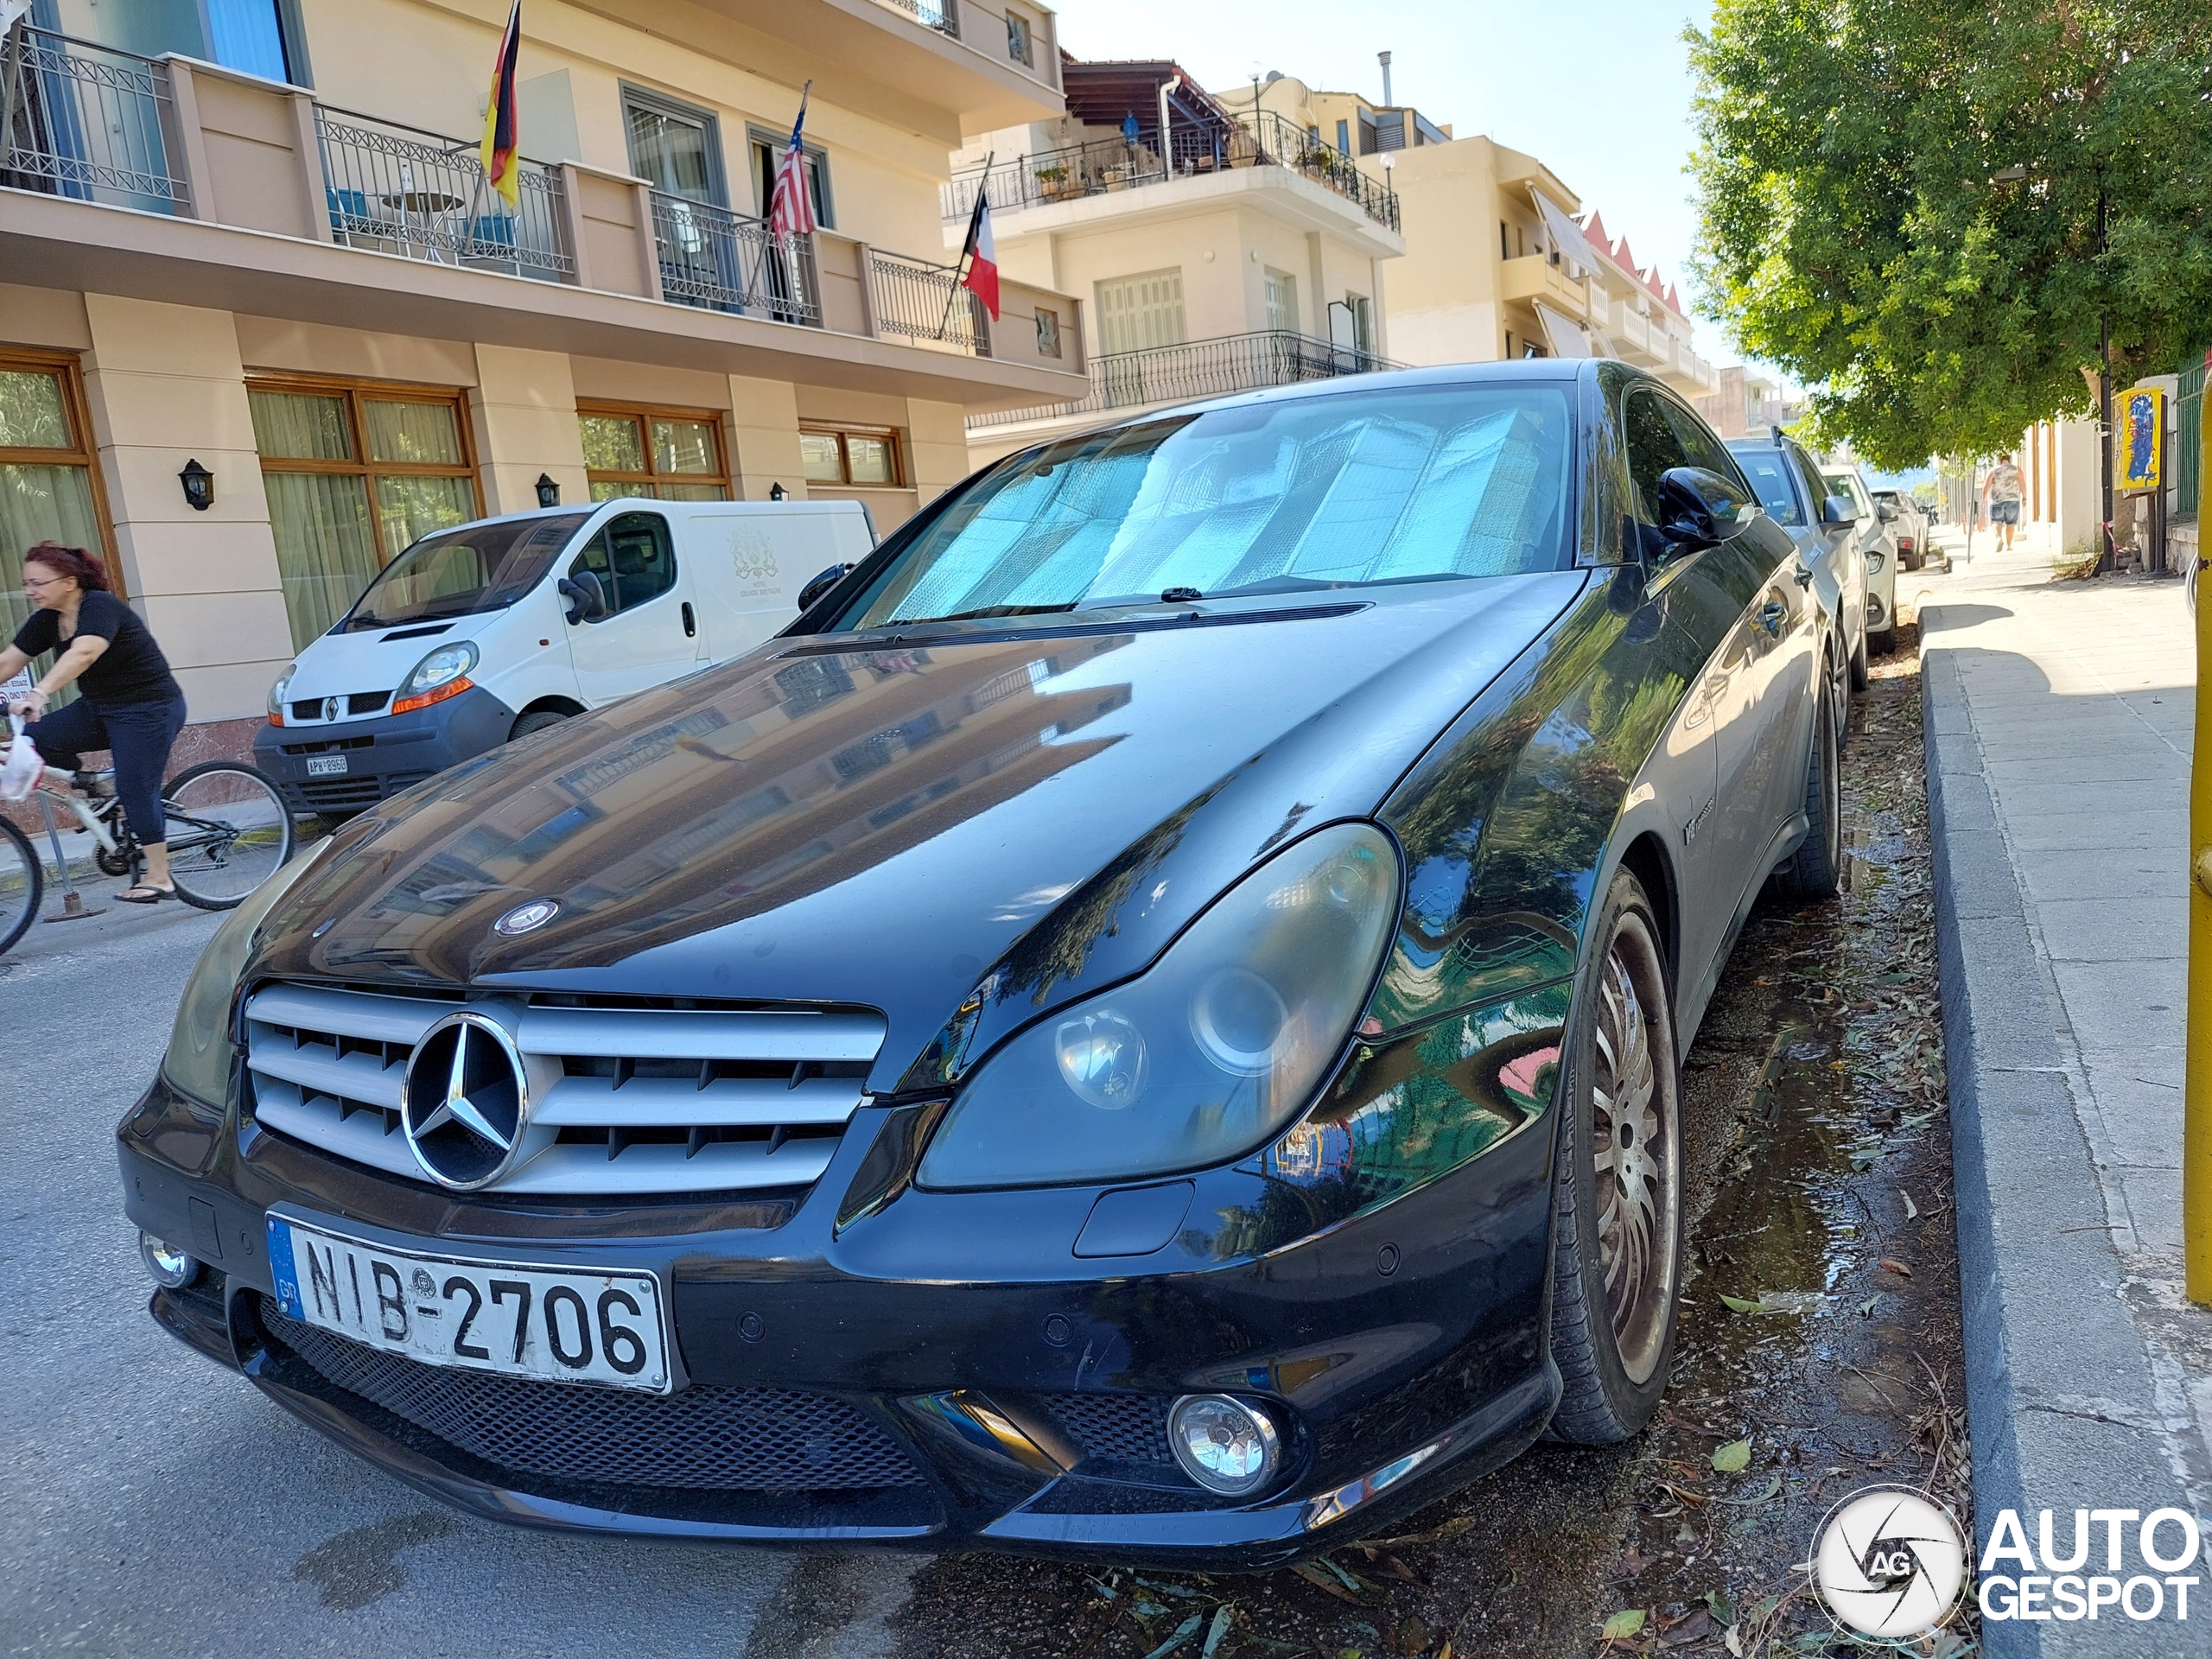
<point>1145,1025</point>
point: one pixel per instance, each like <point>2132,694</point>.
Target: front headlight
<point>276,694</point>
<point>443,674</point>
<point>1205,1055</point>
<point>1873,561</point>
<point>199,1058</point>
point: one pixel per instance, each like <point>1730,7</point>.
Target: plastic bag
<point>19,775</point>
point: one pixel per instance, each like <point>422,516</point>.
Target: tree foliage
<point>1855,233</point>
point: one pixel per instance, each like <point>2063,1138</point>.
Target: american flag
<point>790,208</point>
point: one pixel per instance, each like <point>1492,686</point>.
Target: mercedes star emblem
<point>524,917</point>
<point>464,1102</point>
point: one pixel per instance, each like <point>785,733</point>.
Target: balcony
<point>1533,276</point>
<point>1104,165</point>
<point>1186,373</point>
<point>442,253</point>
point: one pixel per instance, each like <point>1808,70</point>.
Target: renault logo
<point>330,708</point>
<point>464,1103</point>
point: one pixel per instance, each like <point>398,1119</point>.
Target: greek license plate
<point>325,766</point>
<point>550,1324</point>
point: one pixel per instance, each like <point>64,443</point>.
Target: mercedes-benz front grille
<point>645,1099</point>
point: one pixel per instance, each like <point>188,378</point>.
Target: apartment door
<point>677,150</point>
<point>1283,301</point>
<point>1138,314</point>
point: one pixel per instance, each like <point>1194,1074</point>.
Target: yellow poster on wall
<point>2141,438</point>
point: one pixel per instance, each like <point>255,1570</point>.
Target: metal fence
<point>721,261</point>
<point>397,189</point>
<point>942,15</point>
<point>1193,148</point>
<point>1203,368</point>
<point>88,122</point>
<point>2188,438</point>
<point>915,300</point>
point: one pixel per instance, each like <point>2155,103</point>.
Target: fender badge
<point>524,919</point>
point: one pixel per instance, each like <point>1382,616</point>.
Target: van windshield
<point>1309,494</point>
<point>461,572</point>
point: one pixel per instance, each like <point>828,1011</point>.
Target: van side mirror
<point>820,585</point>
<point>1698,508</point>
<point>1839,510</point>
<point>586,599</point>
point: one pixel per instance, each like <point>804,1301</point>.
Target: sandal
<point>145,892</point>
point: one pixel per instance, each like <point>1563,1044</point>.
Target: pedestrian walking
<point>2005,492</point>
<point>127,703</point>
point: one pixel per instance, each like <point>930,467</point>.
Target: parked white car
<point>493,630</point>
<point>1880,548</point>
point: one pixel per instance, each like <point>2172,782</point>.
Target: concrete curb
<point>2060,1399</point>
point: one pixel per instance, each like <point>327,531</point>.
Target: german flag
<point>499,124</point>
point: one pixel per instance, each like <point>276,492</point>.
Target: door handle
<point>1770,615</point>
<point>690,623</point>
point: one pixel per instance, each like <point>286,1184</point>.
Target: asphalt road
<point>153,1505</point>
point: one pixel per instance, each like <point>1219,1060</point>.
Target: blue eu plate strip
<point>280,1266</point>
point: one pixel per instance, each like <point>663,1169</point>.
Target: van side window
<point>633,559</point>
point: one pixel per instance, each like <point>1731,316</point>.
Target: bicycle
<point>229,830</point>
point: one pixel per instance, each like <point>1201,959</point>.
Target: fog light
<point>171,1268</point>
<point>1224,1445</point>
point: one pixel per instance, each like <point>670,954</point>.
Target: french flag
<point>981,254</point>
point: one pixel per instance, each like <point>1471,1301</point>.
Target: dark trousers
<point>137,733</point>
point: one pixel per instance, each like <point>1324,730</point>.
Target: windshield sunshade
<point>459,572</point>
<point>1345,491</point>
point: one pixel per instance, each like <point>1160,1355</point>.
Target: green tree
<point>1856,232</point>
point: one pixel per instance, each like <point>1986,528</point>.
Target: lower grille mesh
<point>1118,1428</point>
<point>705,1439</point>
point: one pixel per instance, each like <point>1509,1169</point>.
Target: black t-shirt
<point>130,670</point>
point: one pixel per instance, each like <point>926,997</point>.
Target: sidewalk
<point>2059,719</point>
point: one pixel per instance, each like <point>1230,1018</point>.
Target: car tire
<point>1616,1227</point>
<point>1815,871</point>
<point>1861,679</point>
<point>537,720</point>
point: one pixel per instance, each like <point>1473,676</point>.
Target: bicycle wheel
<point>22,883</point>
<point>229,831</point>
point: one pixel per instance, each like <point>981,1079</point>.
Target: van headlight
<point>1207,1054</point>
<point>444,673</point>
<point>198,1062</point>
<point>276,695</point>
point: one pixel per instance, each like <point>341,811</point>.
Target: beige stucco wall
<point>166,383</point>
<point>524,409</point>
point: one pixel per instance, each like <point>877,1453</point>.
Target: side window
<point>1816,488</point>
<point>1653,445</point>
<point>633,559</point>
<point>1699,443</point>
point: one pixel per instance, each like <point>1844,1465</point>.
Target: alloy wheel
<point>1634,1148</point>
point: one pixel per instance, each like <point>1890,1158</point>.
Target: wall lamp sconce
<point>549,492</point>
<point>199,486</point>
<point>776,493</point>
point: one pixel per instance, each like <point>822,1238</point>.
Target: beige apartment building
<point>257,237</point>
<point>1216,249</point>
<point>1748,403</point>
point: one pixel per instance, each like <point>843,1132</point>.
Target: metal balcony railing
<point>397,189</point>
<point>721,261</point>
<point>942,15</point>
<point>1203,368</point>
<point>91,123</point>
<point>1192,149</point>
<point>915,300</point>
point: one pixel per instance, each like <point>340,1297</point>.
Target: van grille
<point>655,1098</point>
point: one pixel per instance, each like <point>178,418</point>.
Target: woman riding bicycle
<point>128,701</point>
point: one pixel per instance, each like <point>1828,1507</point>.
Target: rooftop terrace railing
<point>397,189</point>
<point>88,122</point>
<point>1193,149</point>
<point>723,261</point>
<point>1199,369</point>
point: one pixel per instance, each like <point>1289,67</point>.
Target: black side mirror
<point>586,599</point>
<point>820,585</point>
<point>1698,508</point>
<point>1838,510</point>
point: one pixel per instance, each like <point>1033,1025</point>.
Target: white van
<point>493,630</point>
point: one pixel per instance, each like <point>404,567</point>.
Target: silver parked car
<point>1852,503</point>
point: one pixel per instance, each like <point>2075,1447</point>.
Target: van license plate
<point>325,766</point>
<point>549,1324</point>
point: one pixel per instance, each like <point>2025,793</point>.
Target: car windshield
<point>1769,474</point>
<point>459,572</point>
<point>1306,493</point>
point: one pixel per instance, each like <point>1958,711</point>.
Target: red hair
<point>91,574</point>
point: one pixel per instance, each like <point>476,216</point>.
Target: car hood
<point>878,821</point>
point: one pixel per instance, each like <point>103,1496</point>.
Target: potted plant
<point>1052,183</point>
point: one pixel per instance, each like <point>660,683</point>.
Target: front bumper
<point>382,755</point>
<point>1020,1387</point>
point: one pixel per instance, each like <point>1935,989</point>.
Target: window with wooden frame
<point>675,454</point>
<point>354,471</point>
<point>49,480</point>
<point>866,456</point>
